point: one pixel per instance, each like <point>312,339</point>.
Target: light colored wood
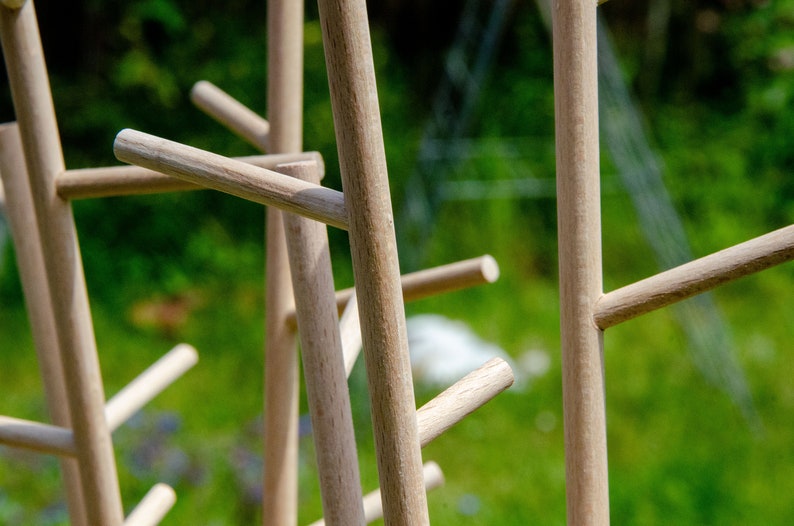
<point>149,384</point>
<point>354,102</point>
<point>231,113</point>
<point>30,264</point>
<point>373,505</point>
<point>579,235</point>
<point>323,367</point>
<point>233,177</point>
<point>463,398</point>
<point>41,143</point>
<point>285,113</point>
<point>134,180</point>
<point>38,437</point>
<point>153,507</point>
<point>697,276</point>
<point>350,330</point>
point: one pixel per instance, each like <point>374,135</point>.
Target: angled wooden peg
<point>153,507</point>
<point>149,384</point>
<point>233,177</point>
<point>321,349</point>
<point>697,276</point>
<point>36,436</point>
<point>133,180</point>
<point>231,113</point>
<point>350,330</point>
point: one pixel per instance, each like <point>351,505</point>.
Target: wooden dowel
<point>149,384</point>
<point>231,113</point>
<point>323,368</point>
<point>153,507</point>
<point>133,180</point>
<point>373,504</point>
<point>362,158</point>
<point>44,159</point>
<point>697,276</point>
<point>38,437</point>
<point>233,177</point>
<point>462,398</point>
<point>282,386</point>
<point>579,240</point>
<point>350,331</point>
<point>30,264</point>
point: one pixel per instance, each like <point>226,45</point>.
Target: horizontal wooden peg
<point>233,177</point>
<point>692,278</point>
<point>463,398</point>
<point>134,180</point>
<point>36,436</point>
<point>373,505</point>
<point>149,384</point>
<point>232,113</point>
<point>153,507</point>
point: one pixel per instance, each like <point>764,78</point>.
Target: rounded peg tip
<point>489,268</point>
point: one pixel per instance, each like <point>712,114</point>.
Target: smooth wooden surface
<point>133,180</point>
<point>233,177</point>
<point>21,217</point>
<point>463,398</point>
<point>373,503</point>
<point>354,101</point>
<point>579,234</point>
<point>153,507</point>
<point>36,436</point>
<point>323,367</point>
<point>350,331</point>
<point>282,385</point>
<point>231,113</point>
<point>41,143</point>
<point>149,384</point>
<point>695,277</point>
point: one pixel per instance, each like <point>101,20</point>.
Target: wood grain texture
<point>579,235</point>
<point>323,366</point>
<point>697,276</point>
<point>231,113</point>
<point>354,101</point>
<point>233,177</point>
<point>41,143</point>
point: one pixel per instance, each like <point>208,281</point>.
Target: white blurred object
<point>443,351</point>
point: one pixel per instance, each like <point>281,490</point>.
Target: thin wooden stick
<point>697,276</point>
<point>149,384</point>
<point>36,436</point>
<point>153,507</point>
<point>354,101</point>
<point>30,264</point>
<point>373,503</point>
<point>282,385</point>
<point>227,175</point>
<point>579,234</point>
<point>350,330</point>
<point>463,398</point>
<point>323,368</point>
<point>41,142</point>
<point>134,180</point>
<point>231,113</point>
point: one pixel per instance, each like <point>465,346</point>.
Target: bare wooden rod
<point>697,276</point>
<point>579,241</point>
<point>149,384</point>
<point>38,437</point>
<point>133,180</point>
<point>233,177</point>
<point>153,507</point>
<point>231,113</point>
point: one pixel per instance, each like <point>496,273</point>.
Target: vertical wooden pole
<point>579,231</point>
<point>323,364</point>
<point>354,100</point>
<point>41,142</point>
<point>27,246</point>
<point>285,113</point>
